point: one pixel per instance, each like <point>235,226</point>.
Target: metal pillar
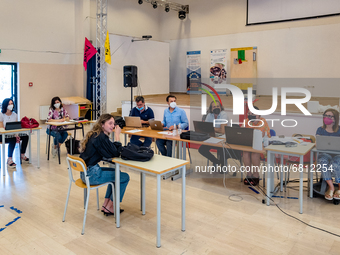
<point>100,57</point>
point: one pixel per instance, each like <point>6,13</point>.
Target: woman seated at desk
<point>95,146</point>
<point>57,113</point>
<point>253,158</point>
<point>216,111</point>
<point>330,127</point>
<point>8,115</point>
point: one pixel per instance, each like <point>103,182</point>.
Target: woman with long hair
<point>330,162</point>
<point>95,146</point>
<point>57,113</point>
<point>8,115</point>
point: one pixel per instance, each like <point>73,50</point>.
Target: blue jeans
<point>99,175</point>
<point>12,142</point>
<point>59,137</point>
<point>166,151</point>
<point>135,140</point>
<point>327,160</point>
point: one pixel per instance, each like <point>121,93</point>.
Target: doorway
<point>9,83</point>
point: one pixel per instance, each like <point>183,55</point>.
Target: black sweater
<point>99,147</point>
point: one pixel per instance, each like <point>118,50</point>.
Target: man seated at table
<point>173,115</point>
<point>145,113</point>
<point>216,111</point>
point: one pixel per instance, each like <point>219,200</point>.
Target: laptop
<point>328,143</point>
<point>156,125</point>
<point>205,128</point>
<point>13,125</point>
<point>132,121</point>
<point>244,136</point>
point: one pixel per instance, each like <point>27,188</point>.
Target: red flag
<point>89,52</point>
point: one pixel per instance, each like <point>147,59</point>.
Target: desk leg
<point>183,197</point>
<point>117,198</point>
<point>3,155</point>
<point>125,139</point>
<point>158,211</point>
<point>281,174</point>
<point>38,147</point>
<point>174,149</point>
<point>311,175</point>
<point>269,178</point>
<point>180,147</point>
<point>143,192</point>
<point>184,151</point>
<point>301,185</point>
<point>49,143</point>
<point>29,148</point>
<point>59,149</point>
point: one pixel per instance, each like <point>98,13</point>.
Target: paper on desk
<point>134,131</point>
<point>165,133</point>
<point>213,140</point>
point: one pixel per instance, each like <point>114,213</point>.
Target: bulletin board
<point>243,67</point>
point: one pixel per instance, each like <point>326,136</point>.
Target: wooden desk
<point>148,132</point>
<point>298,151</point>
<point>158,166</point>
<point>4,132</point>
<point>60,124</point>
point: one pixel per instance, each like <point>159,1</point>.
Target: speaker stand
<point>131,98</point>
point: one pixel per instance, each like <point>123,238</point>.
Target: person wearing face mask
<point>330,127</point>
<point>145,113</point>
<point>8,115</point>
<point>57,113</point>
<point>173,115</point>
<point>216,111</point>
<point>252,158</point>
<point>95,146</point>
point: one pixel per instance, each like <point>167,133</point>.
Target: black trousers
<point>204,150</point>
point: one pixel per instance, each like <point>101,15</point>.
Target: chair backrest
<point>76,164</point>
<point>272,132</point>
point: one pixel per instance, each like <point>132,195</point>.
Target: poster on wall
<point>218,66</point>
<point>193,71</point>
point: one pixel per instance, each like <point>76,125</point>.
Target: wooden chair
<point>78,164</point>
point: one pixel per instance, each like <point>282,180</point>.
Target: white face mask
<point>57,105</point>
<point>10,107</point>
<point>173,105</point>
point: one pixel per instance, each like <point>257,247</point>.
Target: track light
<point>167,8</point>
<point>154,4</point>
<point>182,15</point>
<point>140,1</point>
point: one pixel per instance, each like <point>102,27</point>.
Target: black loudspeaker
<point>130,76</point>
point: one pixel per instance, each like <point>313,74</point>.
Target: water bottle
<point>174,132</point>
<point>265,140</point>
<point>179,130</point>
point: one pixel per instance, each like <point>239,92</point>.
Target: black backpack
<point>137,153</point>
<point>194,136</point>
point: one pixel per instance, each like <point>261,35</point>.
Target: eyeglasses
<point>329,116</point>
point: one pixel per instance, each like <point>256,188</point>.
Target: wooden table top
<point>148,132</point>
<point>158,164</point>
<point>298,150</point>
<point>3,131</point>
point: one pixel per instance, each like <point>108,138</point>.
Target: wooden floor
<point>216,221</point>
<point>264,102</point>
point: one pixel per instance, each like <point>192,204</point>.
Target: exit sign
<point>0,50</point>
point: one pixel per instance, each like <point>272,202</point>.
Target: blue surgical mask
<point>139,109</point>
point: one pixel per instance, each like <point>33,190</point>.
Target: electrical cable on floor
<point>265,195</point>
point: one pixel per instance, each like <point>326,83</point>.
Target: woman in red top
<point>253,158</point>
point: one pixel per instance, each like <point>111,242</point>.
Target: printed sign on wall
<point>193,71</point>
<point>218,66</point>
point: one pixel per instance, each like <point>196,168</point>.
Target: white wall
<point>152,61</point>
<point>46,39</point>
<point>301,52</point>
